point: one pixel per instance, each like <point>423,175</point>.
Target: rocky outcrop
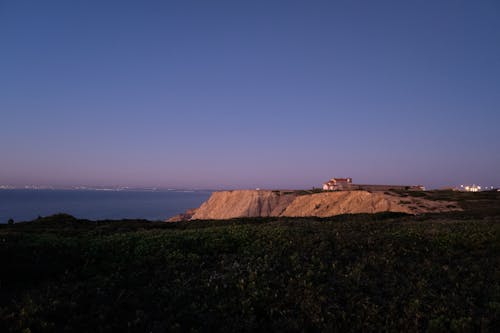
<point>355,202</point>
<point>256,203</point>
<point>243,203</point>
<point>186,216</point>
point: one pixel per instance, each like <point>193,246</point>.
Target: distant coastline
<point>102,188</point>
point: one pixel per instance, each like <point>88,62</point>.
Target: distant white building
<point>470,188</point>
<point>337,184</point>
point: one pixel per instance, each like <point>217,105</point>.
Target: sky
<point>245,94</point>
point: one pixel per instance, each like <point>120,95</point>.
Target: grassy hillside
<point>348,273</point>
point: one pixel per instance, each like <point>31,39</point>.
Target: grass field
<point>382,272</point>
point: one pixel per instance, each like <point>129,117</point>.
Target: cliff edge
<point>243,203</point>
<point>257,203</point>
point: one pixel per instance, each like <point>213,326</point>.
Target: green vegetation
<point>382,272</point>
<point>476,204</point>
<point>300,192</point>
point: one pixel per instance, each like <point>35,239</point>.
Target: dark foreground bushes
<point>346,274</point>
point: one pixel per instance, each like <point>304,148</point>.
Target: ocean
<point>26,205</point>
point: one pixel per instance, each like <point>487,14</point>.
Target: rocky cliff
<point>254,203</point>
<point>243,203</point>
<point>355,202</point>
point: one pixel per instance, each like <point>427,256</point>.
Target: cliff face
<point>354,202</point>
<point>250,203</point>
<point>243,203</point>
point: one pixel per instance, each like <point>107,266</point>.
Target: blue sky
<point>229,94</point>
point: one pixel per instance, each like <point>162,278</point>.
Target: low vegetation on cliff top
<point>382,272</point>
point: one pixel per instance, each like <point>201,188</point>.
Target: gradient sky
<point>226,94</point>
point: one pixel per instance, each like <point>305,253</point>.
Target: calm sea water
<point>24,205</point>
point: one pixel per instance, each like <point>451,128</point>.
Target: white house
<point>336,184</point>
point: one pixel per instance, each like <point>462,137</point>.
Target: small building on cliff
<point>337,184</point>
